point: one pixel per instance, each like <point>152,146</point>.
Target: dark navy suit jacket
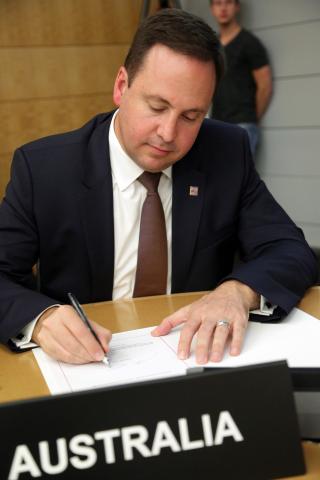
<point>58,209</point>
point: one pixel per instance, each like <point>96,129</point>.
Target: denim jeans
<point>253,132</point>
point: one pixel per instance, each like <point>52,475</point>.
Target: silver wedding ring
<point>223,323</point>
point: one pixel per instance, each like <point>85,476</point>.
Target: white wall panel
<point>290,152</point>
<point>295,103</point>
<point>299,196</point>
<point>293,49</point>
<point>258,14</point>
<point>200,8</point>
<point>312,234</point>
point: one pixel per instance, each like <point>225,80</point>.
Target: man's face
<point>160,114</point>
<point>224,11</point>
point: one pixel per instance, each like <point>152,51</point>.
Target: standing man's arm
<point>263,79</point>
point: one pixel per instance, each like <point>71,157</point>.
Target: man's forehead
<point>164,61</point>
<point>178,79</point>
<point>161,50</point>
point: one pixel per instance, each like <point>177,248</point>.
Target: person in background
<point>246,88</point>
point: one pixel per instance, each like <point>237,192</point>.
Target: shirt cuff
<point>265,309</point>
<point>23,339</point>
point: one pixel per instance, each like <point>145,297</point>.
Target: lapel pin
<point>193,191</point>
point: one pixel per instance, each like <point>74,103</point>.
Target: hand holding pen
<point>63,335</point>
<point>76,305</point>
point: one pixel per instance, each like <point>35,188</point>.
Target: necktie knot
<point>150,181</point>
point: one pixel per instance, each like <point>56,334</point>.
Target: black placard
<point>236,424</point>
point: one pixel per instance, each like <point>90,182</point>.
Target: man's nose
<point>167,128</point>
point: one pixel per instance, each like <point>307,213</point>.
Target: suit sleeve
<point>20,301</point>
<point>276,260</point>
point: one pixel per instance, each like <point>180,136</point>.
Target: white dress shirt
<point>128,197</point>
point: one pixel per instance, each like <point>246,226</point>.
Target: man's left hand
<point>231,302</point>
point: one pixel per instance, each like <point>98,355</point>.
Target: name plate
<point>235,424</point>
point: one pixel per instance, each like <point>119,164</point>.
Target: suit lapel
<point>187,201</point>
<point>97,212</point>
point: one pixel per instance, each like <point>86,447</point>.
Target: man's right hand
<point>62,335</point>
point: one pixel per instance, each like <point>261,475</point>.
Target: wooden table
<point>20,376</point>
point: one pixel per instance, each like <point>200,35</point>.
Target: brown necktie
<point>152,263</point>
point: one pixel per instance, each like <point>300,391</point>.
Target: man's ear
<point>120,85</point>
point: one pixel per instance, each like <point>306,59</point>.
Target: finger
<point>204,341</point>
<point>187,333</point>
<point>70,343</point>
<point>238,334</point>
<point>83,335</point>
<point>171,321</point>
<point>64,326</point>
<point>56,350</point>
<point>103,334</point>
<point>218,344</point>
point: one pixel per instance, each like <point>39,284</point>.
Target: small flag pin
<point>193,191</point>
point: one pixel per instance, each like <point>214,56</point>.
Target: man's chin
<point>225,22</point>
<point>154,165</point>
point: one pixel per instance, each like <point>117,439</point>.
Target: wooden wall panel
<point>58,71</point>
<point>5,160</point>
<point>67,22</point>
<point>58,62</point>
<point>27,120</point>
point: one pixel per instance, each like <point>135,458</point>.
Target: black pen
<point>76,305</point>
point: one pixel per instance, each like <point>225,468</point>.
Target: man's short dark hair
<point>182,32</point>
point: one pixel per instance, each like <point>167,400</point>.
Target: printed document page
<point>136,355</point>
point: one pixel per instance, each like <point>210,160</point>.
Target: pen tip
<point>105,360</point>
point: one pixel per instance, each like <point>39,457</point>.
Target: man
<point>75,200</point>
<point>245,91</point>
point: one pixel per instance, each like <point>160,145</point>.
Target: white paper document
<point>134,356</point>
<point>137,356</point>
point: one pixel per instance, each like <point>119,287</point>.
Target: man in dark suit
<point>74,203</point>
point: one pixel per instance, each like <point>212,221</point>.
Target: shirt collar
<point>124,169</point>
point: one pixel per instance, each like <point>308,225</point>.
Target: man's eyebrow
<point>196,110</point>
<point>163,100</point>
<point>157,98</point>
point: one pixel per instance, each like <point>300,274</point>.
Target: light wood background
<point>58,62</point>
